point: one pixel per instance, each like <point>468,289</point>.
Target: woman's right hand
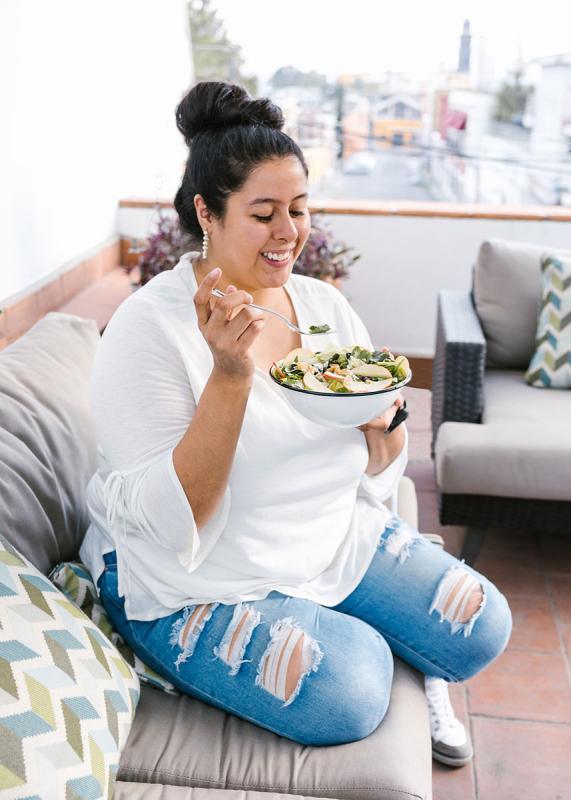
<point>229,327</point>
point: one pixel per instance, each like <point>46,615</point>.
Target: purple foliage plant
<point>163,248</point>
<point>324,256</point>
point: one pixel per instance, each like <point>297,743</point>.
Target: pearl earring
<point>205,242</point>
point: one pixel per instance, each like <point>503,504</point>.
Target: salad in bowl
<point>341,386</point>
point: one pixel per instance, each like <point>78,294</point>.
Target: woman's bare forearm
<point>383,448</point>
<point>203,457</point>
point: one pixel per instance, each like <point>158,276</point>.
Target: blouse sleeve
<point>142,404</point>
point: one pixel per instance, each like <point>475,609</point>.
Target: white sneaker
<point>450,740</point>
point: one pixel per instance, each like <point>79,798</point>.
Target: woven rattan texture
<point>459,360</point>
<point>480,511</point>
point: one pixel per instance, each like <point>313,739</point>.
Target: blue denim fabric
<point>344,687</point>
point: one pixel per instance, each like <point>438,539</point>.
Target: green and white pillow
<point>550,365</point>
<point>75,581</point>
<point>67,696</point>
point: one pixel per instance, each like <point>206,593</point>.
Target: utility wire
<point>419,149</point>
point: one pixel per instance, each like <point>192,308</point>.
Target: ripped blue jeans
<point>321,675</point>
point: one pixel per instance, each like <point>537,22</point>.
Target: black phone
<point>399,417</point>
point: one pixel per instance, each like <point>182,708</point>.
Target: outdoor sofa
<point>177,747</point>
<point>502,447</point>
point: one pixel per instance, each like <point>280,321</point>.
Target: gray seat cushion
<point>47,444</point>
<point>507,290</point>
<point>184,742</point>
<point>148,791</point>
<point>521,449</point>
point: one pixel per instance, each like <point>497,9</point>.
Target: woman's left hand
<point>383,421</point>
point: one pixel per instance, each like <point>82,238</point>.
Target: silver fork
<point>291,325</point>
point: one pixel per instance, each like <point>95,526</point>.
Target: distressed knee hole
<point>459,599</point>
<point>237,636</point>
<point>398,539</point>
<point>187,629</point>
<point>290,656</point>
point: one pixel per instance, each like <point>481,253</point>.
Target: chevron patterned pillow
<point>550,365</point>
<point>75,581</point>
<point>67,697</point>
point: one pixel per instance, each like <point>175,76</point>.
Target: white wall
<point>406,260</point>
<point>87,97</point>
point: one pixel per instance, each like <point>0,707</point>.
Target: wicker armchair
<point>487,404</point>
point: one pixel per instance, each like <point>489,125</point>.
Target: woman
<point>243,551</point>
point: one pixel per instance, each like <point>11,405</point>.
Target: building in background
<point>356,123</point>
<point>552,108</point>
<point>465,45</point>
<point>466,135</point>
<point>310,120</point>
<point>499,142</point>
<point>397,120</point>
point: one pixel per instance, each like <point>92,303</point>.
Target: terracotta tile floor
<point>99,300</point>
<point>519,709</point>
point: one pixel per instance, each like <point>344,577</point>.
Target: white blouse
<point>298,516</point>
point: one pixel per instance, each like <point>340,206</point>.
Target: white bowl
<point>341,410</point>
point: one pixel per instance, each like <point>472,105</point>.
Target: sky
<point>373,36</point>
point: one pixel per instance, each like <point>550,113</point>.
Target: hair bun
<point>212,105</point>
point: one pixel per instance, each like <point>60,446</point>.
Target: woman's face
<point>265,226</point>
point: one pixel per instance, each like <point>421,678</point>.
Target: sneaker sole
<point>450,761</point>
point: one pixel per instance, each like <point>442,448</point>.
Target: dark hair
<point>229,135</point>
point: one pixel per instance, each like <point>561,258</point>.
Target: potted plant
<point>323,256</point>
<point>163,248</point>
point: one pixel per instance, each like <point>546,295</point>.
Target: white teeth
<point>277,256</point>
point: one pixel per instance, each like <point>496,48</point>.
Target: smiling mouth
<point>277,256</point>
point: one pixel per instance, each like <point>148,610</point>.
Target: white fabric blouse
<point>298,516</point>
